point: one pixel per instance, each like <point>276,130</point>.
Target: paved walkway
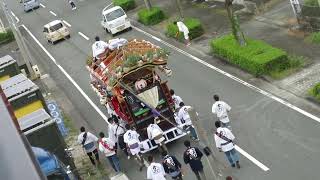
<point>273,26</point>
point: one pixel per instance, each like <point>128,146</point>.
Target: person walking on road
<point>111,134</point>
<point>176,99</point>
<point>119,131</point>
<point>155,170</point>
<point>131,138</point>
<point>155,133</point>
<point>88,140</point>
<point>184,116</point>
<point>224,142</point>
<point>221,109</point>
<point>184,29</point>
<point>73,5</point>
<point>106,145</point>
<point>171,166</point>
<point>192,156</point>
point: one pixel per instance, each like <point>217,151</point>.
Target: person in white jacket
<point>88,142</point>
<point>221,109</point>
<point>155,170</point>
<point>107,146</point>
<point>131,138</point>
<point>98,47</point>
<point>176,99</point>
<point>184,116</point>
<point>155,133</point>
<point>225,142</point>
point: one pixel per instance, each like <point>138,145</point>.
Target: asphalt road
<point>283,139</point>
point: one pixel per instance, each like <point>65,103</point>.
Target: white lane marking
<point>17,19</point>
<point>69,25</point>
<point>84,36</point>
<point>252,159</point>
<point>234,78</point>
<point>108,5</point>
<point>95,107</point>
<point>53,13</point>
<point>43,6</point>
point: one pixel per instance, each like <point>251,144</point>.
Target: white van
<point>114,20</point>
<point>30,4</point>
<point>55,31</point>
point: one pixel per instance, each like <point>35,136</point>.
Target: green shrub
<point>315,91</point>
<point>151,17</point>
<point>257,57</point>
<point>6,37</point>
<point>311,3</point>
<point>125,4</point>
<point>194,26</point>
<point>294,64</point>
<point>314,38</point>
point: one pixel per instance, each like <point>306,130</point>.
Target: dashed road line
<point>43,6</point>
<point>17,19</point>
<point>69,25</point>
<point>95,107</point>
<point>51,12</point>
<point>84,36</point>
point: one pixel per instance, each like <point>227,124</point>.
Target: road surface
<point>284,140</point>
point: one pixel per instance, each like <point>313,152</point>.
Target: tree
<point>148,4</point>
<point>180,8</point>
<point>236,31</point>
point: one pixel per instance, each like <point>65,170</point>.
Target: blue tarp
<point>48,162</point>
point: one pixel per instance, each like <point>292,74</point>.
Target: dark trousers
<point>200,175</point>
<point>72,4</point>
<point>179,177</point>
<point>96,154</point>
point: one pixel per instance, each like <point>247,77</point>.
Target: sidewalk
<point>272,26</point>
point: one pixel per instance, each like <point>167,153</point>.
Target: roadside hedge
<point>315,92</point>
<point>6,37</point>
<point>313,3</point>
<point>194,26</point>
<point>151,17</point>
<point>257,57</point>
<point>125,4</point>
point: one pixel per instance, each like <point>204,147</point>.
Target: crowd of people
<point>124,137</point>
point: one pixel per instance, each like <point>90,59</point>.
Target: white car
<point>114,20</point>
<point>56,30</point>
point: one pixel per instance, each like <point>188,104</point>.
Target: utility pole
<point>148,4</point>
<point>19,39</point>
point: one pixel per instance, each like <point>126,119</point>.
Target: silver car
<point>30,4</point>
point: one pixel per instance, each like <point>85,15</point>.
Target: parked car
<point>114,20</point>
<point>55,31</point>
<point>29,5</point>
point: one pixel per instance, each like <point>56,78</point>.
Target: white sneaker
<point>128,157</point>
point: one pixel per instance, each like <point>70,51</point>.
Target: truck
<point>132,78</point>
